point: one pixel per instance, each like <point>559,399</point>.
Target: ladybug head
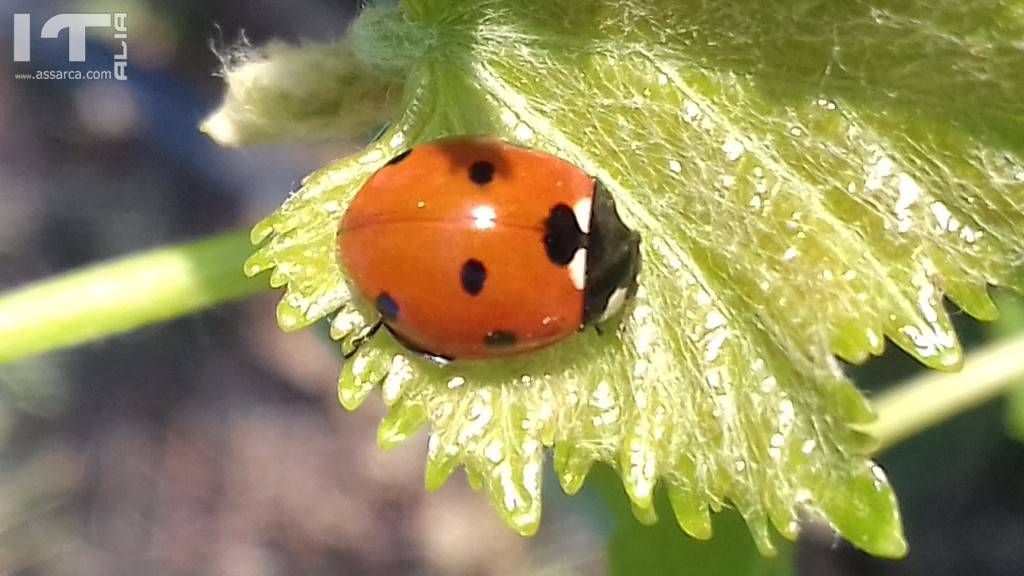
<point>613,260</point>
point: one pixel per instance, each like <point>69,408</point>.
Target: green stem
<point>926,400</point>
<point>123,294</point>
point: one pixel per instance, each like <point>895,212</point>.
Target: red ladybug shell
<point>471,247</point>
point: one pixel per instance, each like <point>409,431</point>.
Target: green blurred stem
<point>123,294</point>
<point>117,296</point>
<point>927,400</point>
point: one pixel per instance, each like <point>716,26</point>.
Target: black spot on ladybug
<point>387,306</point>
<point>399,158</point>
<point>562,235</point>
<point>481,172</point>
<point>500,339</point>
<point>473,276</point>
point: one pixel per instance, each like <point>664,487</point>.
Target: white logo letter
<point>22,37</point>
<point>76,25</point>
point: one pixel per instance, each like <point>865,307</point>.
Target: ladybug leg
<point>598,329</point>
<point>358,342</point>
<point>425,354</point>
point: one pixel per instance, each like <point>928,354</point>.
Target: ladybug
<point>474,248</point>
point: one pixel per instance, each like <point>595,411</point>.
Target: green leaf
<point>808,177</point>
<point>634,548</point>
<point>1012,323</point>
<point>637,549</point>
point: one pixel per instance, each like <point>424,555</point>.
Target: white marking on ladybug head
<point>582,210</point>
<point>578,268</point>
<point>615,303</point>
